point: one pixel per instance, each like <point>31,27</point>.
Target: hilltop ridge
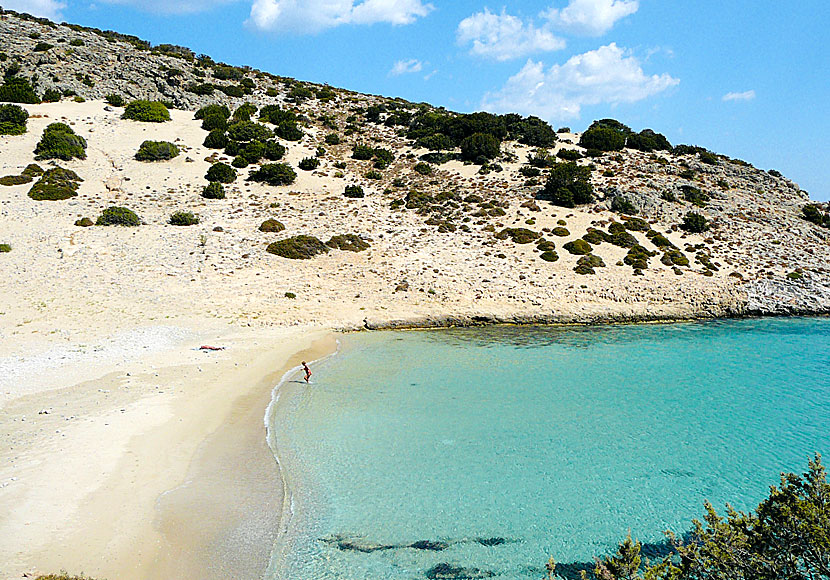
<point>462,218</point>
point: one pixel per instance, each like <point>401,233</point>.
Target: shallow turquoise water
<point>559,440</point>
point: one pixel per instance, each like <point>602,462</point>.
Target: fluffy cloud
<point>503,37</point>
<point>309,16</point>
<point>406,67</point>
<point>745,96</point>
<point>43,8</point>
<point>590,17</point>
<point>606,75</point>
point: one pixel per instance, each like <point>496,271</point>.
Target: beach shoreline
<point>158,469</point>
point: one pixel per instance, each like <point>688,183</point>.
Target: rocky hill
<point>410,214</point>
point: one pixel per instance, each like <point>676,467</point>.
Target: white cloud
<point>606,75</point>
<point>309,16</point>
<point>745,96</point>
<point>167,7</point>
<point>406,67</point>
<point>43,8</point>
<point>590,17</point>
<point>503,37</point>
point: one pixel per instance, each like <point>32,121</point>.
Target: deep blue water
<point>557,439</point>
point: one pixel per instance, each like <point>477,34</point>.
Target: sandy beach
<point>154,467</point>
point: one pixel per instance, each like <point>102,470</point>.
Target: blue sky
<point>750,80</point>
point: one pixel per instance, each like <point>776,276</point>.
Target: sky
<point>748,80</point>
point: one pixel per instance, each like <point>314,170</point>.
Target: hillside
<point>452,236</point>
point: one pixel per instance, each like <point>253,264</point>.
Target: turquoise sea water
<point>558,440</point>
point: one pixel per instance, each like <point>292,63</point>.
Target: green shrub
<point>578,247</point>
<point>5,248</point>
<point>569,154</point>
<point>309,164</point>
<point>423,168</point>
<point>156,151</point>
<point>300,247</point>
<point>480,146</point>
<point>353,191</point>
<point>118,216</point>
<point>814,214</point>
<point>622,204</point>
<point>290,295</point>
<point>43,47</point>
<point>362,152</point>
<point>332,139</point>
<point>201,89</point>
<point>603,139</point>
<point>708,157</point>
<point>240,162</point>
<point>146,111</point>
<point>213,109</point>
<point>13,120</point>
<point>694,195</point>
<point>216,139</point>
<point>18,90</point>
<point>59,141</point>
<point>76,42</point>
<point>549,256</point>
<point>638,257</point>
<point>253,151</point>
<point>51,96</point>
<point>647,140</point>
<point>374,175</point>
<point>568,185</point>
<point>214,121</point>
<point>183,218</point>
<point>231,90</point>
<point>249,131</point>
<point>561,232</point>
<point>56,184</point>
<point>694,223</point>
<point>637,225</point>
<point>519,235</point>
<point>674,257</point>
<point>245,111</point>
<point>273,151</point>
<point>348,243</point>
<point>213,190</point>
<point>274,174</point>
<point>271,226</point>
<point>11,180</point>
<point>84,222</point>
<point>115,100</point>
<point>221,172</point>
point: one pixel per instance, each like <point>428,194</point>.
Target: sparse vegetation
<point>300,247</point>
<point>146,111</point>
<point>59,141</point>
<point>348,242</point>
<point>13,120</point>
<point>274,174</point>
<point>519,235</point>
<point>309,163</point>
<point>695,223</point>
<point>156,151</point>
<point>56,184</point>
<point>183,218</point>
<point>578,247</point>
<point>213,190</point>
<point>115,100</point>
<point>118,216</point>
<point>221,172</point>
<point>353,191</point>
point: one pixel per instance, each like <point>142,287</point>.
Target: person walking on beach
<point>307,371</point>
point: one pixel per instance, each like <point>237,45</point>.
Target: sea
<point>482,452</point>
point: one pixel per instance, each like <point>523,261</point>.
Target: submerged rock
<point>446,571</point>
<point>491,541</point>
<point>429,545</point>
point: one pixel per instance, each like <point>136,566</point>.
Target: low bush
<point>11,180</point>
<point>530,171</point>
<point>5,248</point>
<point>602,139</point>
<point>59,141</point>
<point>271,226</point>
<point>621,204</point>
<point>13,120</point>
<point>51,96</point>
<point>638,257</point>
<point>18,90</point>
<point>156,151</point>
<point>348,243</point>
<point>674,257</point>
<point>249,131</point>
<point>146,112</point>
<point>244,112</point>
<point>568,185</point>
<point>814,214</point>
<point>56,184</point>
<point>373,174</point>
<point>545,246</point>
<point>201,89</point>
<point>549,256</point>
<point>569,154</point>
<point>309,164</point>
<point>84,222</point>
<point>578,247</point>
<point>115,100</point>
<point>423,168</point>
<point>561,232</point>
<point>214,122</point>
<point>332,139</point>
<point>213,190</point>
<point>694,195</point>
<point>636,225</point>
<point>480,148</point>
<point>274,174</point>
<point>353,191</point>
<point>183,218</point>
<point>213,109</point>
<point>273,151</point>
<point>240,162</point>
<point>519,235</point>
<point>118,216</point>
<point>216,140</point>
<point>695,223</point>
<point>300,247</point>
<point>221,172</point>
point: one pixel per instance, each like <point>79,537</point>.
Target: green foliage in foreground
<point>156,151</point>
<point>787,537</point>
<point>59,141</point>
<point>13,120</point>
<point>146,111</point>
<point>118,216</point>
<point>56,184</point>
<point>298,248</point>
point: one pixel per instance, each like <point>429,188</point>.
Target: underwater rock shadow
<point>350,543</point>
